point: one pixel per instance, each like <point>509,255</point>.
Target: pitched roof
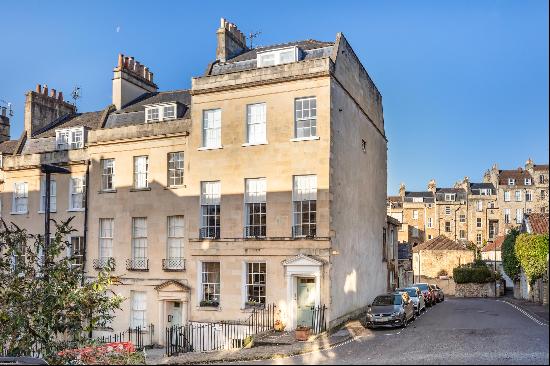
<point>540,167</point>
<point>134,112</point>
<point>450,190</point>
<point>440,243</point>
<point>8,147</point>
<point>310,48</point>
<point>91,120</point>
<point>518,174</point>
<point>496,244</point>
<point>392,220</point>
<point>537,223</point>
<point>482,186</point>
<point>419,194</point>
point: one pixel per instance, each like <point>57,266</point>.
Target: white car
<point>416,297</point>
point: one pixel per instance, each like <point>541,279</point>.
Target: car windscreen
<point>422,286</point>
<point>386,300</point>
<point>412,292</point>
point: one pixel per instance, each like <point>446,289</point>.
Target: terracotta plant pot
<point>279,327</point>
<point>302,333</point>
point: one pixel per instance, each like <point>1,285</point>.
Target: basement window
<point>277,57</point>
<point>160,112</point>
<point>69,138</point>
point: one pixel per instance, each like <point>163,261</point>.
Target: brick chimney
<point>4,125</point>
<point>231,41</point>
<point>131,80</point>
<point>42,108</point>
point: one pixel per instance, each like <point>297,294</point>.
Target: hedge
<point>474,274</point>
<point>531,251</point>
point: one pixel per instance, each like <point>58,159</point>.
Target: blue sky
<point>464,84</point>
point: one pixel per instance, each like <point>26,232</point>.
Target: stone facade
<point>428,263</point>
<point>343,259</point>
<point>477,289</point>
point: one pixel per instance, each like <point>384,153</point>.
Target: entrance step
<point>273,338</point>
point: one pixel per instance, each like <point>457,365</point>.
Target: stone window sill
<point>254,144</point>
<point>209,308</point>
<point>311,138</point>
<point>204,148</point>
<point>140,189</point>
<point>41,211</point>
<point>107,191</point>
<point>20,213</point>
<point>75,210</point>
<point>176,187</point>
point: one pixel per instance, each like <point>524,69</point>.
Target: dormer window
<point>511,181</point>
<point>69,138</point>
<point>160,112</point>
<point>527,181</point>
<point>277,57</point>
<point>485,191</point>
<point>449,197</point>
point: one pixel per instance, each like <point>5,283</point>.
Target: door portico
<point>173,296</point>
<point>300,272</point>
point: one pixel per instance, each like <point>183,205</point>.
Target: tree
<point>510,261</point>
<point>44,302</point>
<point>531,251</point>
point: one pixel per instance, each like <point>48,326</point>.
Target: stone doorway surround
<point>296,267</point>
<point>168,291</point>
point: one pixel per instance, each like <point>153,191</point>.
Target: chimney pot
<point>38,88</point>
<point>120,60</point>
<point>3,111</point>
<point>45,89</point>
<point>53,93</point>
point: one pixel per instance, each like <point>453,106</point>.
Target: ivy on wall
<point>510,261</point>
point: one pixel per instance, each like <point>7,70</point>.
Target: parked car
<point>390,310</point>
<point>440,296</point>
<point>416,297</point>
<point>427,292</point>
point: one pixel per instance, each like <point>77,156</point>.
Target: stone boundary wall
<point>476,289</point>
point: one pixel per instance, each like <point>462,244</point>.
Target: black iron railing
<point>318,319</point>
<point>307,231</point>
<point>212,336</point>
<point>104,263</point>
<point>254,231</point>
<point>173,264</point>
<point>141,337</point>
<point>210,232</point>
<point>137,264</point>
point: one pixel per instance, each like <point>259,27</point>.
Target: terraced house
<point>264,183</point>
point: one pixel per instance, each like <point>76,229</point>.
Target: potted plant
<point>209,303</point>
<point>279,326</point>
<point>302,332</point>
<point>443,274</point>
<point>251,303</point>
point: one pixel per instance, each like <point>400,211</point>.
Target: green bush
<point>473,274</point>
<point>510,261</point>
<point>531,251</point>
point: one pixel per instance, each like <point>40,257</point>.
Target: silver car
<point>416,297</point>
<point>390,310</point>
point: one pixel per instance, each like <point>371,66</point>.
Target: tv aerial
<point>6,106</point>
<point>76,94</point>
<point>251,36</point>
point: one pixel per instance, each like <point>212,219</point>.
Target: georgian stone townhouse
<point>265,183</point>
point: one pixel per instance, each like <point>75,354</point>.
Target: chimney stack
<point>131,79</point>
<point>402,190</point>
<point>4,125</point>
<point>231,41</point>
<point>42,108</point>
<point>432,186</point>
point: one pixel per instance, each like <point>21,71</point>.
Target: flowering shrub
<point>116,353</point>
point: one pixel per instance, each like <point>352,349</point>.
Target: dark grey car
<point>390,310</point>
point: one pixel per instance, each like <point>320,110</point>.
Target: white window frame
<point>216,295</point>
<point>414,233</point>
<point>517,196</point>
<point>53,195</point>
<point>462,234</point>
<point>175,240</point>
<point>274,56</point>
<point>139,242</point>
<point>507,196</point>
<point>256,271</point>
<point>210,199</point>
<point>211,129</point>
<point>256,124</point>
<point>138,316</point>
<point>519,215</point>
<point>479,238</point>
<point>450,197</point>
<point>70,138</point>
<point>528,195</point>
<point>300,119</point>
<point>106,235</point>
<point>418,199</point>
<point>430,223</point>
<point>304,193</point>
<point>74,240</point>
<point>161,112</point>
<point>73,193</point>
<point>511,181</point>
<point>447,210</point>
<point>141,172</point>
<point>255,205</point>
<point>479,205</point>
<point>106,173</point>
<point>479,222</point>
<point>415,215</point>
<point>176,168</point>
<point>506,215</point>
<point>20,198</point>
<point>462,218</point>
<point>527,181</point>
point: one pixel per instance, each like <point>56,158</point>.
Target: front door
<point>174,313</point>
<point>306,295</point>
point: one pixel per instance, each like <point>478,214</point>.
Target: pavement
<point>537,310</point>
<point>457,331</point>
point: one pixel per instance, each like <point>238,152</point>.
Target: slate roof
<point>440,243</point>
<point>537,223</point>
<point>540,167</point>
<point>476,187</point>
<point>392,220</point>
<point>8,147</point>
<point>134,112</point>
<point>90,120</point>
<point>426,194</point>
<point>518,174</point>
<point>450,190</point>
<point>490,247</point>
<point>310,49</point>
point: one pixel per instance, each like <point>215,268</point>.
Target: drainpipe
<point>85,234</point>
